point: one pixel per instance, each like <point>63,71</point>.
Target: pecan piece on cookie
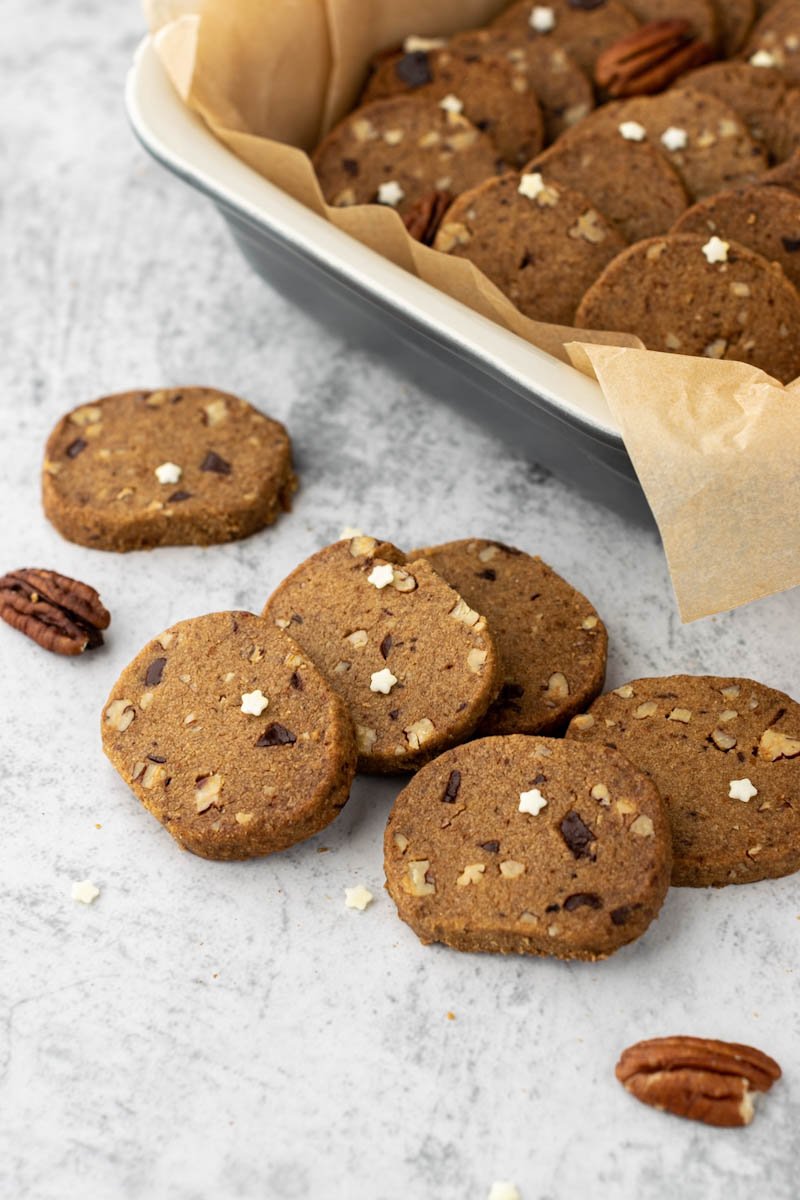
<point>422,219</point>
<point>699,1078</point>
<point>650,59</point>
<point>59,613</point>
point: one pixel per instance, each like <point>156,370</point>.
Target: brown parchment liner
<point>714,443</point>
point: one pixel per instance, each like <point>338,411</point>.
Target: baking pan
<point>543,407</point>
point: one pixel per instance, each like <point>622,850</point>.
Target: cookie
<point>766,220</point>
<point>735,19</point>
<point>230,737</point>
<point>700,15</point>
<point>761,97</point>
<point>396,151</point>
<point>703,138</point>
<point>775,41</point>
<point>630,182</point>
<point>523,845</point>
<point>583,27</point>
<point>414,663</point>
<point>563,91</point>
<point>181,466</point>
<point>725,757</point>
<point>541,244</point>
<point>696,295</point>
<point>494,93</point>
<point>551,644</point>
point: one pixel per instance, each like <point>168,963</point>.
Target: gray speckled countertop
<point>233,1031</point>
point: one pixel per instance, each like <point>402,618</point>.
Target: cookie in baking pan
<point>768,105</point>
<point>584,28</point>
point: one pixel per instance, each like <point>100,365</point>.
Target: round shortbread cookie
<point>551,643</point>
<point>523,845</point>
<point>583,27</point>
<point>769,107</point>
<point>701,15</point>
<point>766,220</point>
<point>725,756</point>
<point>541,244</point>
<point>416,666</point>
<point>398,150</point>
<point>181,466</point>
<point>695,295</point>
<point>230,737</point>
<point>775,41</point>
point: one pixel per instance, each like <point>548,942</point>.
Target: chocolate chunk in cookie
<point>551,643</point>
<point>769,107</point>
<point>630,182</point>
<point>766,220</point>
<point>725,756</point>
<point>695,295</point>
<point>540,243</point>
<point>396,151</point>
<point>414,662</point>
<point>492,92</point>
<point>583,27</point>
<point>524,845</point>
<point>230,737</point>
<point>775,41</point>
<point>167,468</point>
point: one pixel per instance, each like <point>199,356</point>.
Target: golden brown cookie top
<point>725,756</point>
<point>551,643</point>
<point>416,666</point>
<point>230,736</point>
<point>165,467</point>
<point>521,844</point>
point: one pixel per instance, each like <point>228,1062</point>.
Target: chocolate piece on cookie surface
<point>725,755</point>
<point>415,664</point>
<point>551,643</point>
<point>527,845</point>
<point>230,737</point>
<point>540,243</point>
<point>171,467</point>
<point>395,151</point>
<point>692,294</point>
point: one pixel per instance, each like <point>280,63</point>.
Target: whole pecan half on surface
<point>699,1078</point>
<point>59,613</point>
<point>422,219</point>
<point>650,59</point>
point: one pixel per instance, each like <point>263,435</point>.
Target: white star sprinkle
<point>542,19</point>
<point>674,138</point>
<point>532,802</point>
<point>715,250</point>
<point>254,703</point>
<point>632,131</point>
<point>390,193</point>
<point>382,681</point>
<point>168,472</point>
<point>451,104</point>
<point>381,575</point>
<point>742,789</point>
<point>85,892</point>
<point>358,897</point>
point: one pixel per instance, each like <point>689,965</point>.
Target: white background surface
<point>232,1031</point>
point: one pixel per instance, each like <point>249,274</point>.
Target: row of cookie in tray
<point>462,663</point>
<point>452,138</point>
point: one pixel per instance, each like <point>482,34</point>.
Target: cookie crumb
<point>632,131</point>
<point>254,703</point>
<point>715,250</point>
<point>358,897</point>
<point>742,789</point>
<point>168,472</point>
<point>390,193</point>
<point>382,681</point>
<point>532,802</point>
<point>674,138</point>
<point>85,891</point>
<point>542,19</point>
<point>503,1190</point>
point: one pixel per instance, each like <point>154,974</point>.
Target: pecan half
<point>699,1078</point>
<point>650,59</point>
<point>422,219</point>
<point>59,613</point>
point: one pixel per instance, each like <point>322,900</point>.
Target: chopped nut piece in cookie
<point>207,791</point>
<point>774,745</point>
<point>471,874</point>
<point>511,869</point>
<point>648,709</point>
<point>416,881</point>
<point>119,714</point>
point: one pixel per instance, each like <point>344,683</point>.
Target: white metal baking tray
<point>547,409</point>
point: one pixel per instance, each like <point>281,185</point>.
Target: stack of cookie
<point>593,163</point>
<point>463,663</point>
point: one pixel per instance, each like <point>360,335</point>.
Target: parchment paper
<point>715,444</point>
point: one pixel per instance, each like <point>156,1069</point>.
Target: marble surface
<point>233,1031</point>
